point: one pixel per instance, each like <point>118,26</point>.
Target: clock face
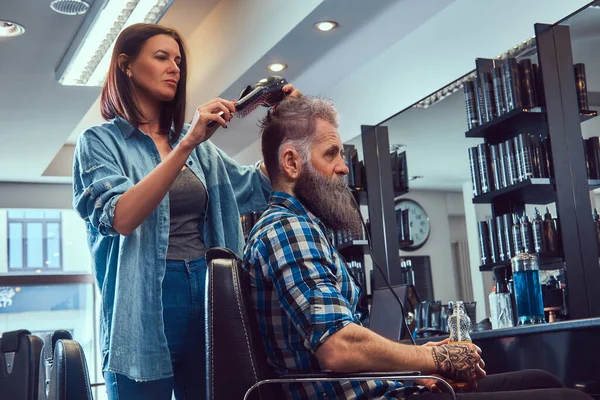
<point>418,222</point>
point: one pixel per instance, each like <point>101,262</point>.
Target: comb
<point>267,92</point>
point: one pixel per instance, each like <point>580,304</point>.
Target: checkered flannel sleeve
<point>296,256</point>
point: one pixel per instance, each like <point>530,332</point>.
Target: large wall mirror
<point>432,133</point>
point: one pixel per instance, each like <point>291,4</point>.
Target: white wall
<point>36,195</point>
<point>439,207</point>
<point>76,255</point>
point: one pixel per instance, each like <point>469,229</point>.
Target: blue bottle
<point>527,289</point>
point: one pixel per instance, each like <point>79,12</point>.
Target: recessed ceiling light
<point>70,7</point>
<point>276,67</point>
<point>10,29</point>
<point>326,25</point>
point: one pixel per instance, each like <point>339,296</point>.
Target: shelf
<point>400,193</point>
<point>405,243</point>
<point>587,114</point>
<point>529,120</point>
<point>352,245</point>
<point>360,195</point>
<point>512,123</point>
<point>539,191</point>
<point>594,184</point>
<point>546,262</point>
<point>534,191</point>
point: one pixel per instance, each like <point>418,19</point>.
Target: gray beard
<point>329,199</point>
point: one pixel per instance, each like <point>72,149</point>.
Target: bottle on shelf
<point>500,239</point>
<point>550,236</point>
<point>526,160</point>
<point>484,173</point>
<point>581,86</point>
<point>529,92</point>
<point>526,234</point>
<point>484,242</point>
<point>411,273</point>
<point>513,84</point>
<point>498,80</point>
<point>597,228</point>
<point>474,167</point>
<point>493,302</point>
<point>510,247</point>
<point>516,234</point>
<point>494,250</point>
<point>511,162</point>
<point>504,313</point>
<point>471,103</point>
<point>537,226</point>
<point>527,289</point>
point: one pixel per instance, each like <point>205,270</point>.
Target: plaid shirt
<point>303,294</point>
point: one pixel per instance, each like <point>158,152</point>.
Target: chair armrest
<point>342,376</point>
<point>336,377</point>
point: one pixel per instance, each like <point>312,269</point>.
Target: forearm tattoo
<point>456,362</point>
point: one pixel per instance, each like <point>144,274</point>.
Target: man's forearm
<point>356,349</point>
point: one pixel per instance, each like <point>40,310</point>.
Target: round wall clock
<point>418,221</point>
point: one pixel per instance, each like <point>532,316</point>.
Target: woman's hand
<point>206,113</point>
<point>291,91</point>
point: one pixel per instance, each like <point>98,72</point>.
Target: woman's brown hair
<point>118,98</point>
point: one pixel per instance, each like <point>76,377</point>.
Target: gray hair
<point>292,123</point>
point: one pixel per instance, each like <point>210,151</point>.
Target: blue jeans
<point>183,316</point>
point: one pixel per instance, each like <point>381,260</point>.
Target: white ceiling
<point>386,55</point>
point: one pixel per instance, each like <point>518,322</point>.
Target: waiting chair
<point>19,359</point>
<point>63,369</point>
<point>237,362</point>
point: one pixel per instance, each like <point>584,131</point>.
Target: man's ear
<point>291,163</point>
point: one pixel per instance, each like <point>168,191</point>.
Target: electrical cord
<point>385,280</point>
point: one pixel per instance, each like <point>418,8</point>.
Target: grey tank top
<point>187,199</point>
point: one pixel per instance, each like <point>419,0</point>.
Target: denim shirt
<point>110,159</point>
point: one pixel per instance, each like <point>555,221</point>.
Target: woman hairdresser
<point>155,195</point>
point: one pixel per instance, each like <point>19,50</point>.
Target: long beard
<point>329,200</point>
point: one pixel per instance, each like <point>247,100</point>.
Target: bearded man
<point>307,303</point>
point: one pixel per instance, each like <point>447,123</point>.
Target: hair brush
<point>266,92</point>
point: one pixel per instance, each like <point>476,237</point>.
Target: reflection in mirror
<point>585,42</point>
<point>432,132</point>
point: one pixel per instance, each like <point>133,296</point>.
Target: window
<point>46,280</point>
<point>34,240</point>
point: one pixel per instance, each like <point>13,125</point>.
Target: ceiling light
<point>10,29</point>
<point>276,67</point>
<point>89,64</point>
<point>326,25</point>
<point>70,7</point>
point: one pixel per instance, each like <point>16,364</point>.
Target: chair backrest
<point>63,369</point>
<point>19,359</point>
<point>236,354</point>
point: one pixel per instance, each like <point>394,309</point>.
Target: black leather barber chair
<point>19,359</point>
<point>63,369</point>
<point>237,363</point>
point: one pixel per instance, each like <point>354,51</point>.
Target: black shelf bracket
<point>382,213</point>
<point>570,174</point>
